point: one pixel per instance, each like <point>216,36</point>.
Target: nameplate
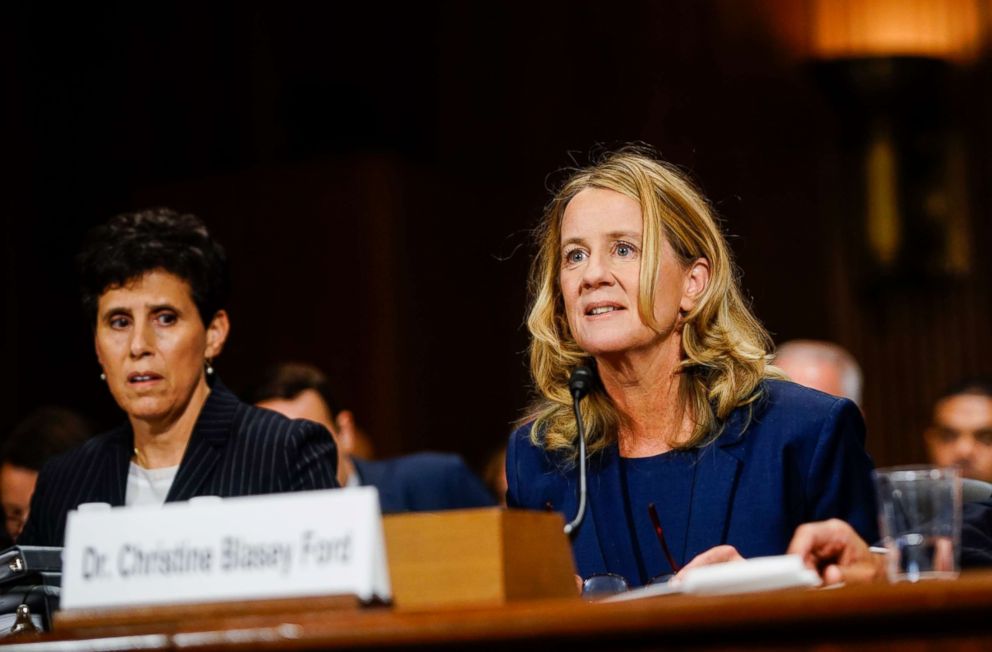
<point>212,549</point>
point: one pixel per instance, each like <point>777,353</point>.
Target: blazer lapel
<point>113,477</point>
<point>206,444</point>
<point>718,468</point>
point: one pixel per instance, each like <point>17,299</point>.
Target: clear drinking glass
<point>919,515</point>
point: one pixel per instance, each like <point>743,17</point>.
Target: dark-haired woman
<point>154,287</point>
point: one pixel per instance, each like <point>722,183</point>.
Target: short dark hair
<point>43,434</point>
<point>976,385</point>
<point>131,245</point>
<point>288,380</point>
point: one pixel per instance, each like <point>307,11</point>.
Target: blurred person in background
<point>38,437</point>
<point>821,365</point>
<point>411,483</point>
<point>495,475</point>
<point>154,288</point>
<point>960,431</point>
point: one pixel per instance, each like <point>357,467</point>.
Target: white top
<point>148,486</point>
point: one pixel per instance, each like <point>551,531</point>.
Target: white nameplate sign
<point>211,549</point>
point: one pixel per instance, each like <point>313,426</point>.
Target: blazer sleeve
<point>311,457</point>
<point>839,482</point>
<point>976,535</point>
<point>463,489</point>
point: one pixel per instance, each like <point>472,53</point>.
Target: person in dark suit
<point>685,418</point>
<point>154,285</point>
<point>421,482</point>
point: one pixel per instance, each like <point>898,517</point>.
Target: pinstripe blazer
<point>235,450</point>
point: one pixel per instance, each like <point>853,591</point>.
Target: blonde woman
<point>634,279</point>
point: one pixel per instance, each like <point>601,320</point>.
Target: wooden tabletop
<point>930,615</point>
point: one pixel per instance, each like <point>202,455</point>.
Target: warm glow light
<point>857,28</point>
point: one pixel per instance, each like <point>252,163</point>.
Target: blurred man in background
<point>825,366</point>
<point>495,475</point>
<point>41,435</point>
<point>412,483</point>
<point>960,432</point>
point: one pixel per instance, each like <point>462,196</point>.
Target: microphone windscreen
<point>580,382</point>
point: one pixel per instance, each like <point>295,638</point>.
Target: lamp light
<point>890,66</point>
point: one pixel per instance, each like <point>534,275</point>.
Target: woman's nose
<point>596,271</point>
<point>140,340</point>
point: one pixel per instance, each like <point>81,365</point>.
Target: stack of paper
<point>747,576</point>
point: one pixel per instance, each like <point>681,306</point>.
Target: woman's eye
<point>119,322</point>
<point>625,250</point>
<point>575,256</point>
<point>166,318</point>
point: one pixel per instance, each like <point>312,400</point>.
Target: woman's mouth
<point>142,377</point>
<point>593,311</point>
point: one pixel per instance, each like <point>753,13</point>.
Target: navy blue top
<point>797,457</point>
<point>666,481</point>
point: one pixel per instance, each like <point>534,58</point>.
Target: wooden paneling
<point>374,184</point>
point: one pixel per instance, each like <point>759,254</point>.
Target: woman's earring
<point>103,376</point>
<point>210,368</point>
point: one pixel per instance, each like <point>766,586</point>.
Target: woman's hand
<point>831,548</point>
<point>717,555</point>
<point>835,551</point>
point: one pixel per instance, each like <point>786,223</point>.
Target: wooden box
<point>477,557</point>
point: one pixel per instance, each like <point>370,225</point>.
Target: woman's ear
<point>346,431</point>
<point>96,348</point>
<point>217,334</point>
<point>697,278</point>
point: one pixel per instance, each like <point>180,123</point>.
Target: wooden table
<point>928,616</point>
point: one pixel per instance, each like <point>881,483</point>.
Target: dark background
<point>374,169</point>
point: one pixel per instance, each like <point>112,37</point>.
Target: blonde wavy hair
<point>724,347</point>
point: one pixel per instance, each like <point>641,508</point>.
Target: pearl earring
<point>103,376</point>
<point>210,368</point>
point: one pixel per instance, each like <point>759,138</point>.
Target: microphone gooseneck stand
<point>579,385</point>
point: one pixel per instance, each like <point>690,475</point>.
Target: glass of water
<point>919,511</point>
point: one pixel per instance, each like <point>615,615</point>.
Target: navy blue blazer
<point>423,482</point>
<point>800,458</point>
<point>235,450</point>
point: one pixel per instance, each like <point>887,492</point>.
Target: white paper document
<point>746,576</point>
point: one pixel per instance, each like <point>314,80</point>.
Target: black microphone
<point>580,382</point>
<point>579,385</point>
